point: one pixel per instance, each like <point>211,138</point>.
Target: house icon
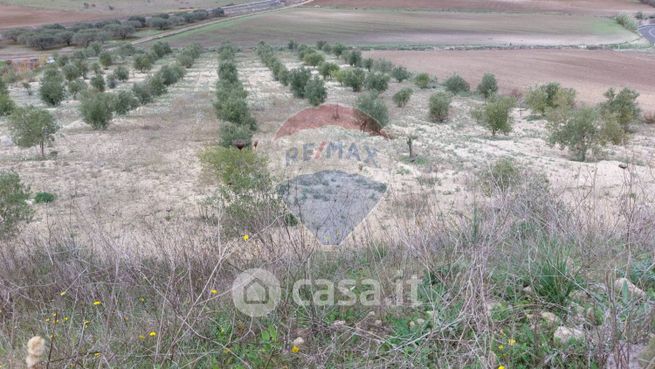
<point>256,292</point>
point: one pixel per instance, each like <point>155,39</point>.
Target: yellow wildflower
<point>142,337</point>
<point>62,293</point>
<point>295,349</point>
<point>246,237</point>
<point>87,322</point>
<point>66,318</point>
<point>97,302</point>
<point>97,354</point>
<point>501,367</point>
<point>501,347</point>
<point>511,342</point>
<point>152,334</point>
<point>214,292</point>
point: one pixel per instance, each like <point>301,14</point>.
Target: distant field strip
<point>402,28</point>
<point>590,72</point>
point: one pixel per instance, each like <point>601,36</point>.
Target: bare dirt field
<point>23,13</point>
<point>12,16</point>
<point>590,72</point>
<point>596,7</point>
<point>391,28</point>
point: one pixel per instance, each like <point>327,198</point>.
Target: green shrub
<point>439,106</point>
<point>171,74</point>
<point>338,49</point>
<point>353,78</point>
<point>622,106</point>
<point>383,66</point>
<point>354,58</point>
<point>75,87</point>
<point>71,72</point>
<point>552,277</point>
<point>368,64</point>
<point>98,82</point>
<point>227,71</point>
<point>488,86</point>
<point>124,101</point>
<point>111,82</point>
<point>142,93</point>
<point>142,63</point>
<point>501,176</point>
<point>315,91</point>
<point>401,98</point>
<point>377,81</point>
<point>457,85</point>
<point>185,60</point>
<point>3,87</point>
<point>44,198</point>
<point>328,70</point>
<point>161,49</point>
<point>298,79</point>
<point>230,133</point>
<point>371,111</point>
<point>31,126</point>
<point>422,80</point>
<point>314,59</point>
<point>235,109</point>
<point>496,114</point>
<point>106,60</point>
<point>96,109</point>
<point>626,22</point>
<point>7,105</point>
<point>13,204</point>
<point>156,85</point>
<point>121,73</point>
<point>542,98</point>
<point>400,73</point>
<point>577,130</point>
<point>52,90</point>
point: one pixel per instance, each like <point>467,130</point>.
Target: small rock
<point>549,317</point>
<point>377,323</point>
<point>632,289</point>
<point>338,324</point>
<point>370,314</point>
<point>420,321</point>
<point>412,324</point>
<point>564,334</point>
<point>528,290</point>
<point>299,341</point>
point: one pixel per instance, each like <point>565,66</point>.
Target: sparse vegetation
<point>400,73</point>
<point>97,109</point>
<point>579,131</point>
<point>439,106</point>
<point>401,98</point>
<point>376,81</point>
<point>315,91</point>
<point>52,90</point>
<point>550,96</point>
<point>456,85</point>
<point>496,114</point>
<point>31,126</point>
<point>14,209</point>
<point>422,80</point>
<point>372,111</point>
<point>488,86</point>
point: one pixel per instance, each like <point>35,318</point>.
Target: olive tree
<point>579,131</point>
<point>371,111</point>
<point>439,106</point>
<point>488,86</point>
<point>14,208</point>
<point>315,91</point>
<point>97,109</point>
<point>31,126</point>
<point>496,114</point>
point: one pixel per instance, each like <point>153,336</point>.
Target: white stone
<point>565,334</point>
<point>632,289</point>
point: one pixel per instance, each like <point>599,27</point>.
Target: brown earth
<point>407,28</point>
<point>590,72</point>
<point>596,7</point>
<point>12,16</point>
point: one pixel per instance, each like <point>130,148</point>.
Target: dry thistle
<point>35,353</point>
